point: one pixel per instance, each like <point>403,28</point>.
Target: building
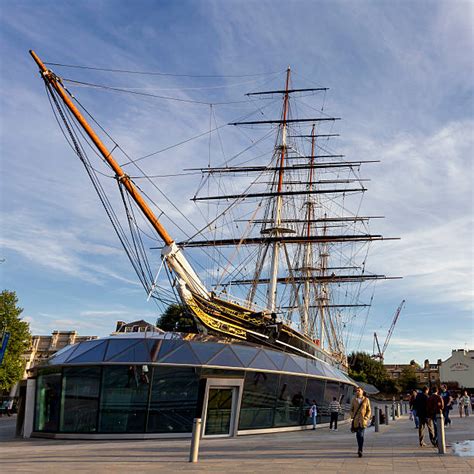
<point>136,326</point>
<point>459,368</point>
<point>43,347</point>
<point>427,375</point>
<point>147,385</point>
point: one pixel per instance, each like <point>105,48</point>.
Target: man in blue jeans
<point>360,414</point>
<point>448,404</point>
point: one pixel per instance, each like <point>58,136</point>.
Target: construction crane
<point>378,355</point>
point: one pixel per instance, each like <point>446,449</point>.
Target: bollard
<point>398,410</point>
<point>441,438</point>
<point>194,453</point>
<point>386,415</point>
<point>377,419</point>
<point>393,411</point>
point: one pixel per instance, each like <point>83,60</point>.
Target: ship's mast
<point>308,247</point>
<point>272,287</point>
<point>173,254</point>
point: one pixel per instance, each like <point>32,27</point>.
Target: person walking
<point>464,403</point>
<point>9,407</point>
<point>458,400</point>
<point>334,410</point>
<point>413,409</point>
<point>313,413</point>
<point>448,404</point>
<point>360,414</point>
<point>420,405</point>
<point>434,407</point>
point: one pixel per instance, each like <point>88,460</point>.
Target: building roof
<point>368,388</point>
<point>191,350</point>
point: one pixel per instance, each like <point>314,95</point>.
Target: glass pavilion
<point>150,385</point>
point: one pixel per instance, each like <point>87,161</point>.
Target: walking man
<point>434,407</point>
<point>313,413</point>
<point>448,404</point>
<point>413,409</point>
<point>360,414</point>
<point>464,403</point>
<point>334,409</point>
<point>420,405</point>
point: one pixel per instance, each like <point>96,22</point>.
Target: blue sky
<point>400,75</point>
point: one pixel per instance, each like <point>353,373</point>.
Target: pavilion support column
<point>29,408</point>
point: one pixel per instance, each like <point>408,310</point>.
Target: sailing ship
<point>289,290</point>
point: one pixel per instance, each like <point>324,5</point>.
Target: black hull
<point>223,318</point>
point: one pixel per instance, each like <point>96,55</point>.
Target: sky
<point>400,76</point>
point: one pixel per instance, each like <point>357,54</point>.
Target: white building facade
<point>458,368</point>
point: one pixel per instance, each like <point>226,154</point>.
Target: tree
<point>13,366</point>
<point>177,318</point>
<point>365,369</point>
<point>407,378</point>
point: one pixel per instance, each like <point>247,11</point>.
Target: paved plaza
<point>393,449</point>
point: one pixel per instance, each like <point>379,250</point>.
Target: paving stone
<point>394,449</point>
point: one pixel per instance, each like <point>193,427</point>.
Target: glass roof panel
<point>137,353</point>
<point>206,350</point>
<point>314,368</point>
<point>85,346</point>
<point>182,355</point>
<point>116,346</point>
<point>154,346</point>
<point>300,362</point>
<point>225,358</point>
<point>262,361</point>
<point>245,353</point>
<point>277,357</point>
<point>327,371</point>
<point>291,366</point>
<point>96,354</point>
<point>167,346</point>
<point>62,355</point>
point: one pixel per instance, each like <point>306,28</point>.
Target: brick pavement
<point>394,449</point>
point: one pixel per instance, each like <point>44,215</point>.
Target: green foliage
<point>365,369</point>
<point>177,318</point>
<point>13,366</point>
<point>407,378</point>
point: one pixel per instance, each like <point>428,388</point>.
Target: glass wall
<point>160,399</point>
<point>173,400</point>
<point>258,400</point>
<point>332,391</point>
<point>289,409</point>
<point>48,401</point>
<point>315,391</point>
<point>124,399</point>
<point>80,399</point>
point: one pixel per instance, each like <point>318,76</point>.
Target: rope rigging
<point>134,248</point>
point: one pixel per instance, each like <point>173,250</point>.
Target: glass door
<point>220,402</point>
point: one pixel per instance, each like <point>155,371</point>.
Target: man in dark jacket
<point>420,404</point>
<point>448,404</point>
<point>434,407</point>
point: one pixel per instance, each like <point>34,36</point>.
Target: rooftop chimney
<point>119,326</point>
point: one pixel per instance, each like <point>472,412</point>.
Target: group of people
<point>425,406</point>
<point>334,410</point>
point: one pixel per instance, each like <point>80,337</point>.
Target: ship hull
<point>223,318</point>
